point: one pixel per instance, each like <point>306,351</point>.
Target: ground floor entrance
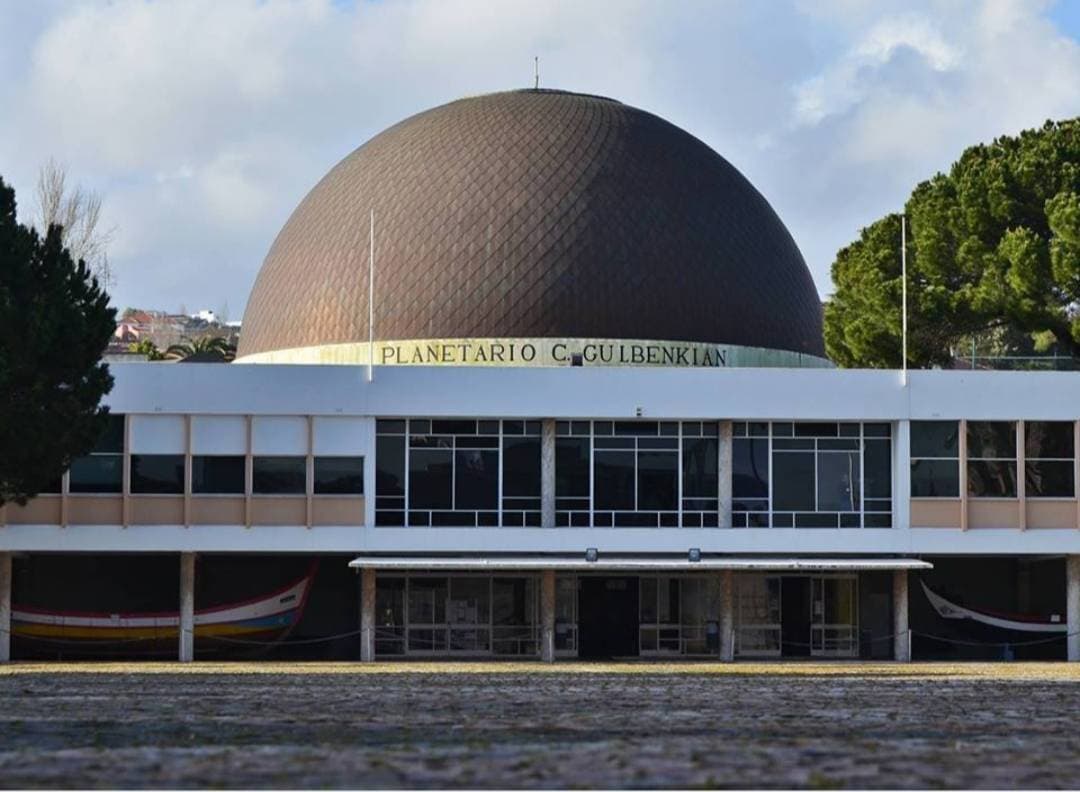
<point>605,617</point>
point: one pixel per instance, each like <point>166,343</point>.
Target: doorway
<point>795,617</point>
<point>607,617</point>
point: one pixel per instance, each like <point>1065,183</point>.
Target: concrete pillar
<point>547,473</point>
<point>726,468</point>
<point>727,616</point>
<point>547,615</point>
<point>187,607</point>
<point>901,632</point>
<point>1072,607</point>
<point>5,607</point>
<point>367,615</point>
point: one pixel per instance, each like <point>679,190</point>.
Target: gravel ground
<point>488,725</point>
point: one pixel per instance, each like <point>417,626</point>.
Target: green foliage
<point>207,349</point>
<point>995,243</point>
<point>55,323</point>
<point>148,348</point>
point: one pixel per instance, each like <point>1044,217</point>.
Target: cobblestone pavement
<point>519,726</point>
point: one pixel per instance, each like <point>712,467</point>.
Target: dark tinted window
<point>97,474</point>
<point>279,475</point>
<point>1048,440</point>
<point>935,439</point>
<point>476,479</point>
<point>750,477</point>
<point>217,475</point>
<point>572,467</point>
<point>112,440</point>
<point>430,478</point>
<point>614,487</point>
<point>877,468</point>
<point>793,482</point>
<point>700,460</point>
<point>838,484</point>
<point>935,478</point>
<point>390,465</point>
<point>1049,479</point>
<point>521,467</point>
<point>658,480</point>
<point>157,474</point>
<point>991,440</point>
<point>990,479</point>
<point>339,476</point>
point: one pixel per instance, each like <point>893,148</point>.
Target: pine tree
<point>55,323</point>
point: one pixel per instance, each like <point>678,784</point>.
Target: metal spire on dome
<point>536,73</point>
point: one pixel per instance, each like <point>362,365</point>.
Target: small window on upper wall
<point>339,476</point>
<point>1049,463</point>
<point>217,475</point>
<point>157,474</point>
<point>102,470</point>
<point>279,475</point>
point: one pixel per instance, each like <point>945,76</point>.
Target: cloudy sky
<point>204,122</point>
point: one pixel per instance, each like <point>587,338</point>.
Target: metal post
<point>1072,607</point>
<point>901,630</point>
<point>367,615</point>
<point>547,473</point>
<point>187,607</point>
<point>547,616</point>
<point>903,295</point>
<point>5,607</point>
<point>727,616</point>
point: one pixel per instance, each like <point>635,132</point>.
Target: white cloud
<point>205,122</point>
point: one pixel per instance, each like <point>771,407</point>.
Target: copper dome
<point>535,214</point>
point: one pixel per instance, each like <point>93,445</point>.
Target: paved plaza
<point>488,725</point>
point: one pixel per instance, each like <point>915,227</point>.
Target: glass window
<point>339,475</point>
<point>390,465</point>
<point>112,440</point>
<point>700,461</point>
<point>615,480</point>
<point>935,478</point>
<point>279,475</point>
<point>750,474</point>
<point>877,468</point>
<point>658,481</point>
<point>157,474</point>
<point>572,467</point>
<point>935,459</point>
<point>991,459</point>
<point>1049,465</point>
<point>431,478</point>
<point>793,481</point>
<point>97,473</point>
<point>521,467</point>
<point>217,475</point>
<point>476,478</point>
<point>838,481</point>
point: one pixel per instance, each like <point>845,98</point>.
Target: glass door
<point>835,616</point>
<point>757,615</point>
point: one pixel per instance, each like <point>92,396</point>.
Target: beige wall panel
<point>327,510</point>
<point>95,509</point>
<point>279,510</point>
<point>217,510</point>
<point>42,510</point>
<point>157,509</point>
<point>993,513</point>
<point>1051,513</point>
<point>935,513</point>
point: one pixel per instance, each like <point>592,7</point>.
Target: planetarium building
<point>540,375</point>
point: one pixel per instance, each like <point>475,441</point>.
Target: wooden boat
<point>1002,621</point>
<point>264,620</point>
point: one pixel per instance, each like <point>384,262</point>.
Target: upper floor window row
<point>992,459</point>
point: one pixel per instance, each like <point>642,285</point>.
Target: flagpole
<point>371,300</point>
<point>903,294</point>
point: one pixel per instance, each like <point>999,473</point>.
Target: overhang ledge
<point>617,564</point>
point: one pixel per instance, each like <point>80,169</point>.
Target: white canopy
<point>578,563</point>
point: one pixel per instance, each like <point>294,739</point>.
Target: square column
<point>727,616</point>
<point>901,631</point>
<point>367,615</point>
<point>187,607</point>
<point>1072,607</point>
<point>547,473</point>
<point>5,607</point>
<point>547,615</point>
<point>726,467</point>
